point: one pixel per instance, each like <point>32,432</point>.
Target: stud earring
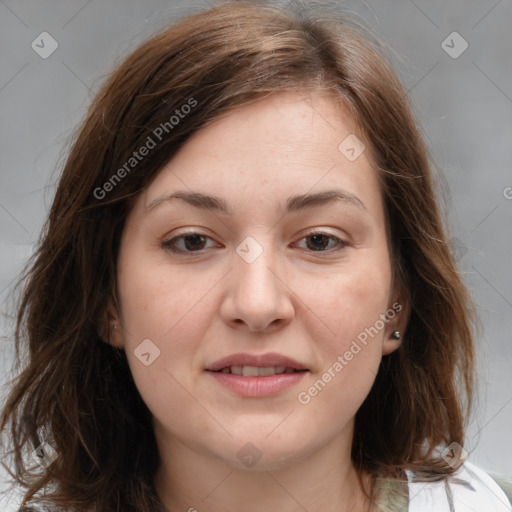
<point>395,335</point>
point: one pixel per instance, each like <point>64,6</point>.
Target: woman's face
<point>276,247</point>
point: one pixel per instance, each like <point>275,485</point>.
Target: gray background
<point>464,104</point>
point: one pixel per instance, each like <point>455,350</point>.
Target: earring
<point>395,335</point>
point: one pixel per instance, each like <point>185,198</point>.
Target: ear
<point>398,314</point>
<point>110,327</point>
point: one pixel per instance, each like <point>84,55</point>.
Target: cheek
<point>157,305</point>
<point>351,305</point>
<point>348,308</point>
<point>173,310</point>
<point>156,300</point>
<point>347,303</point>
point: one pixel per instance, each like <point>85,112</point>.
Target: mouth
<point>253,365</point>
<point>252,376</point>
<point>257,381</point>
<point>258,371</point>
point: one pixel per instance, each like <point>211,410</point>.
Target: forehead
<point>285,144</point>
<point>285,124</point>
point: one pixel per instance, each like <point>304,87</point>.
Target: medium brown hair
<point>76,391</point>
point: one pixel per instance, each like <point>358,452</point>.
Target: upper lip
<point>263,360</point>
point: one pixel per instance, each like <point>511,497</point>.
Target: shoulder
<point>505,484</point>
<point>470,488</point>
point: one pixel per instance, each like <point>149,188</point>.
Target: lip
<point>263,386</point>
<point>259,386</point>
<point>270,359</point>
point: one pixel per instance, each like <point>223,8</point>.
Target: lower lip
<point>267,385</point>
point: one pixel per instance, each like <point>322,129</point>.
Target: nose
<point>258,298</point>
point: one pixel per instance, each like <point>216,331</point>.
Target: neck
<point>324,481</point>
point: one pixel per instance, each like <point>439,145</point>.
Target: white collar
<point>470,489</point>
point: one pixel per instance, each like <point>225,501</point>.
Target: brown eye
<point>318,242</point>
<point>323,242</point>
<point>187,243</point>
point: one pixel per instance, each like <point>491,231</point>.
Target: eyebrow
<point>293,204</point>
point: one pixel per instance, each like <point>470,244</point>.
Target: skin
<point>308,304</point>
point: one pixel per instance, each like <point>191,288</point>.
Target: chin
<point>258,451</point>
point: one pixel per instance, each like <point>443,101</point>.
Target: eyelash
<point>169,244</point>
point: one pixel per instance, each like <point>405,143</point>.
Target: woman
<point>244,297</point>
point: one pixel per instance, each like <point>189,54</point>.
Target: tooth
<point>280,369</point>
<point>289,370</point>
<point>236,370</point>
<point>250,371</point>
<point>268,370</point>
<point>225,370</point>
